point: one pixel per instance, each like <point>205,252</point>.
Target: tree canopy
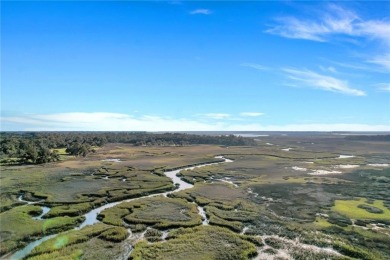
<point>40,147</point>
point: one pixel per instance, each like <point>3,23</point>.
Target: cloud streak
<point>81,121</point>
<point>384,87</point>
<point>254,66</point>
<point>217,115</point>
<point>251,114</point>
<point>336,21</point>
<point>100,121</point>
<point>319,81</point>
<point>382,60</point>
<point>201,11</point>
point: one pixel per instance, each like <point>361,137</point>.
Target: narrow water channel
<point>91,217</point>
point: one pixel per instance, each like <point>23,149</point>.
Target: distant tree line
<point>40,147</point>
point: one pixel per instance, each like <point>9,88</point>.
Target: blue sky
<point>166,66</point>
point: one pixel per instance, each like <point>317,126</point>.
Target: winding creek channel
<point>91,217</point>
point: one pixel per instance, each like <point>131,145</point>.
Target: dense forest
<point>41,147</point>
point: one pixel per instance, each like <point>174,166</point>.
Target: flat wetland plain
<point>287,197</point>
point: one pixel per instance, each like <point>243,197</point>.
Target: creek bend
<point>91,216</point>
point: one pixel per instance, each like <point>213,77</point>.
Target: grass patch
<point>205,193</point>
<point>204,242</point>
<point>368,234</point>
<point>64,254</point>
<point>115,234</point>
<point>274,242</point>
<point>66,239</point>
<point>233,225</point>
<point>63,154</point>
<point>8,201</point>
<point>355,252</point>
<point>18,227</point>
<point>160,212</point>
<point>69,210</point>
<point>322,223</point>
<point>153,235</point>
<point>231,216</point>
<point>353,209</point>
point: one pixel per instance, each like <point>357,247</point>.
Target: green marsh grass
<point>160,212</point>
<point>351,209</point>
<point>20,227</point>
<point>204,242</point>
<point>66,239</point>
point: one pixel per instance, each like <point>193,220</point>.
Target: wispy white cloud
<point>102,122</point>
<point>315,80</point>
<point>254,66</point>
<point>122,122</point>
<point>251,114</point>
<point>336,21</point>
<point>291,27</point>
<point>377,29</point>
<point>201,11</point>
<point>328,69</point>
<point>384,86</point>
<point>383,60</point>
<point>358,66</point>
<point>217,115</point>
